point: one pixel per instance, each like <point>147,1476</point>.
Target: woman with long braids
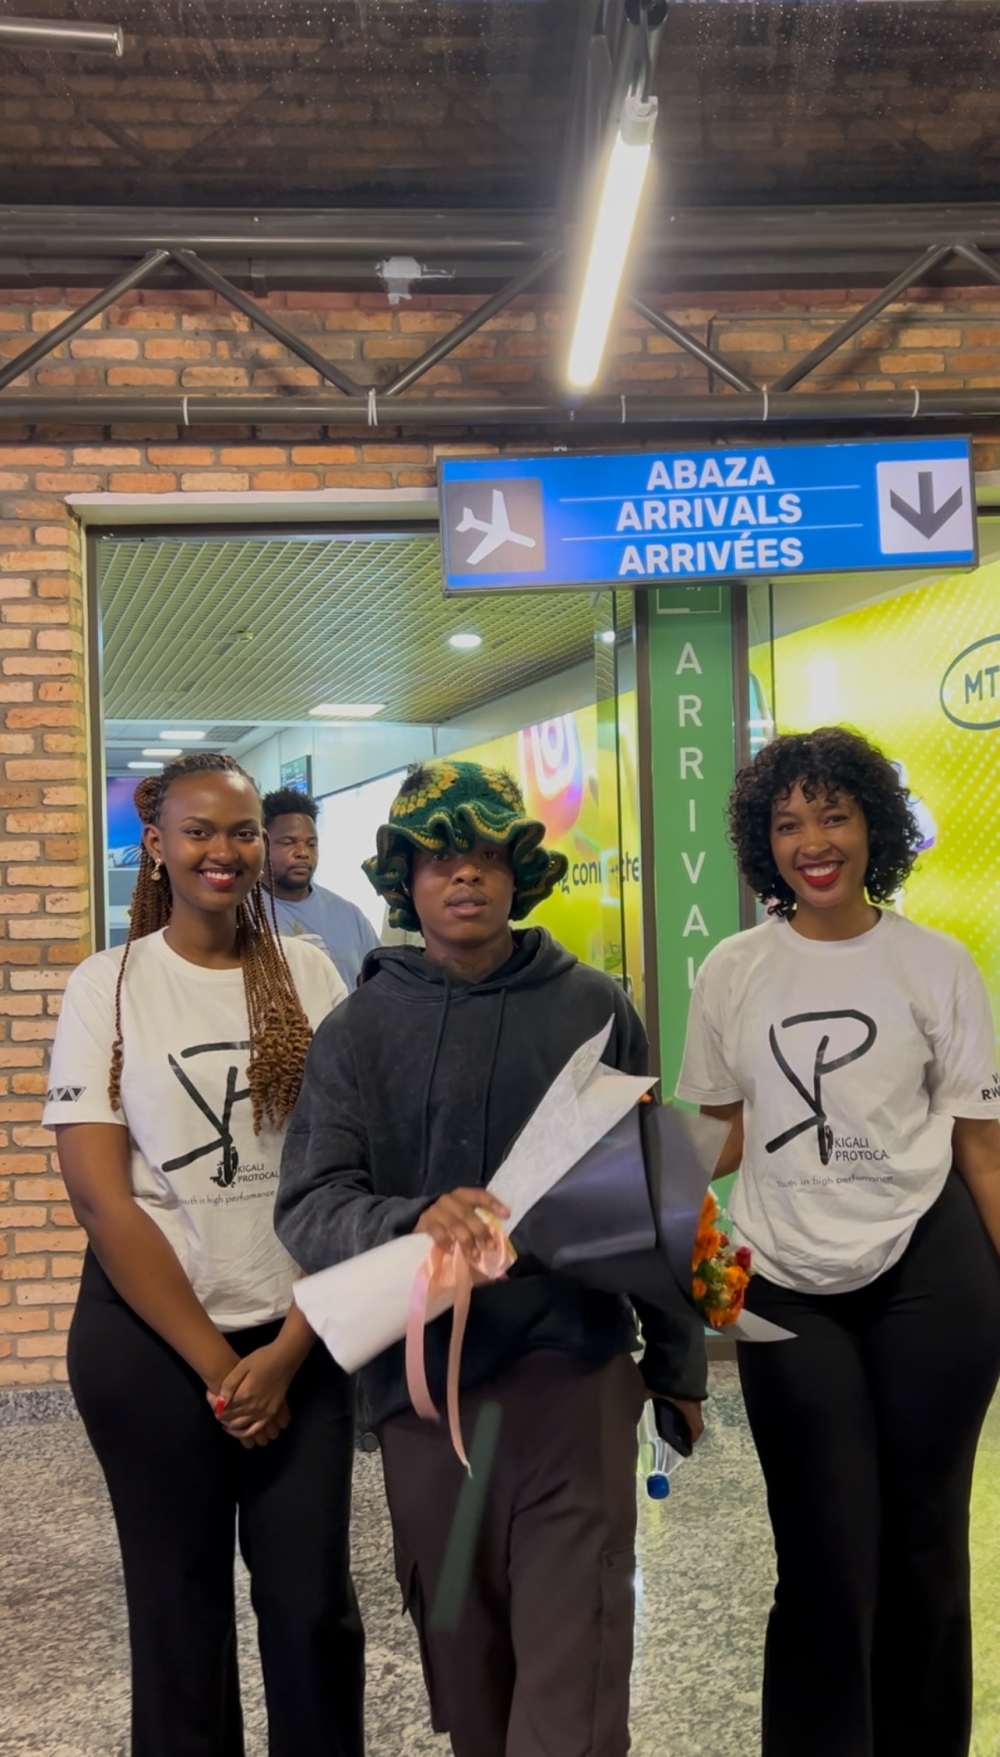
<point>177,1061</point>
<point>853,1053</point>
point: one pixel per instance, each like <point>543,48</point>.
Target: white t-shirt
<point>198,1169</point>
<point>852,1058</point>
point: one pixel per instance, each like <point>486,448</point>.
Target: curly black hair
<point>287,802</point>
<point>828,761</point>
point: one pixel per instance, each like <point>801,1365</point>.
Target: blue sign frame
<point>638,519</point>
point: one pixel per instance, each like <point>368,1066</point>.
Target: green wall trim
<point>693,760</point>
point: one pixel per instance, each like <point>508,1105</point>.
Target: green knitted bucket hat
<point>445,805</point>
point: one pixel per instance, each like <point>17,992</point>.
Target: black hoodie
<point>417,1085</point>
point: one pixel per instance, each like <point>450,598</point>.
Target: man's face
<point>294,853</point>
<point>463,901</point>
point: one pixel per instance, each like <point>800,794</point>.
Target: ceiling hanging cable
<point>646,83</point>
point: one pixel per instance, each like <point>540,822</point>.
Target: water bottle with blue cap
<point>657,1459</point>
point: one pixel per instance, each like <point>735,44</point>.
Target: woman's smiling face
<point>820,846</point>
<point>210,839</point>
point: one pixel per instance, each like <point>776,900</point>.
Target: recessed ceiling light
<point>608,637</point>
<point>145,765</point>
<point>346,710</point>
<point>184,737</point>
<point>465,642</point>
<point>163,751</point>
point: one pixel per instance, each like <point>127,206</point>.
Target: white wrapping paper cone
<point>750,1328</point>
<point>360,1307</point>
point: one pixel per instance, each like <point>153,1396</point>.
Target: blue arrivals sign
<point>636,519</point>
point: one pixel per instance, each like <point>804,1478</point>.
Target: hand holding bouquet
<point>721,1274</point>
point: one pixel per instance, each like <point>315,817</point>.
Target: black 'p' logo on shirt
<point>821,1069</point>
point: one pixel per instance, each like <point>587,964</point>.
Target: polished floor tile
<point>704,1586</point>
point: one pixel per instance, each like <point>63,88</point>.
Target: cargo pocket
<point>610,1730</point>
<point>408,1575</point>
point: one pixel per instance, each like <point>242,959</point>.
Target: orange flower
<point>736,1279</point>
<point>709,1211</point>
<point>699,1288</point>
<point>726,1315</point>
<point>706,1245</point>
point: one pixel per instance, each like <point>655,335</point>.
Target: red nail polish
<point>220,1404</point>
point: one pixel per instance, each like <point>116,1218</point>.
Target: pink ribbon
<point>441,1274</point>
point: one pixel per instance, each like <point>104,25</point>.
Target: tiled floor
<point>704,1587</point>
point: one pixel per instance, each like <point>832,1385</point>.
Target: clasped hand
<point>250,1403</point>
<point>453,1221</point>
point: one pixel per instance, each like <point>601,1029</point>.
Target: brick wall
<point>289,105</point>
<point>190,342</point>
<point>43,900</point>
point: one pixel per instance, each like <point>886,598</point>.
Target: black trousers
<point>180,1488</point>
<point>535,1659</point>
<point>866,1427</point>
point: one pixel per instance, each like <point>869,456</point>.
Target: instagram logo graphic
<point>552,773</point>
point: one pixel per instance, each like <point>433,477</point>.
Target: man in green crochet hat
<point>414,1090</point>
<point>448,808</point>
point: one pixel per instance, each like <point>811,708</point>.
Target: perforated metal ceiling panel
<point>264,628</point>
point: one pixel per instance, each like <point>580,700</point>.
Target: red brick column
<point>44,901</point>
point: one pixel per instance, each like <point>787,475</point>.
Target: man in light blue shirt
<point>305,909</point>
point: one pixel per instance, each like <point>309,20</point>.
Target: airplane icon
<point>497,531</point>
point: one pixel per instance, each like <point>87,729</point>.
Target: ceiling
<point>235,634</point>
<point>381,103</point>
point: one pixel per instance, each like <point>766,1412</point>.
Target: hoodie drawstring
<point>425,1125</point>
<point>484,1141</point>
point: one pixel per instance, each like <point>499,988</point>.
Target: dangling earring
<point>157,869</point>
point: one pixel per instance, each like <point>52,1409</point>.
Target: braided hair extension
<point>280,1032</point>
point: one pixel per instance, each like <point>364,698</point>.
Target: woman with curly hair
<point>176,1064</point>
<point>853,1053</point>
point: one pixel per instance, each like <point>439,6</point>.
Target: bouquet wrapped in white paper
<point>599,1185</point>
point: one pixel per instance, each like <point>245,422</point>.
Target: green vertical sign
<point>693,746</point>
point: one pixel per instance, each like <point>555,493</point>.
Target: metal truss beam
<point>475,320</point>
<point>917,271</point>
<point>471,250</point>
<point>360,401</point>
<point>209,277</point>
<point>135,276</point>
<point>691,345</point>
<point>739,411</point>
<point>258,314</point>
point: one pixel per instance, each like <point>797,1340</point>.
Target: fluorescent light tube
<point>623,181</point>
<point>183,737</point>
<point>161,750</point>
<point>347,710</point>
